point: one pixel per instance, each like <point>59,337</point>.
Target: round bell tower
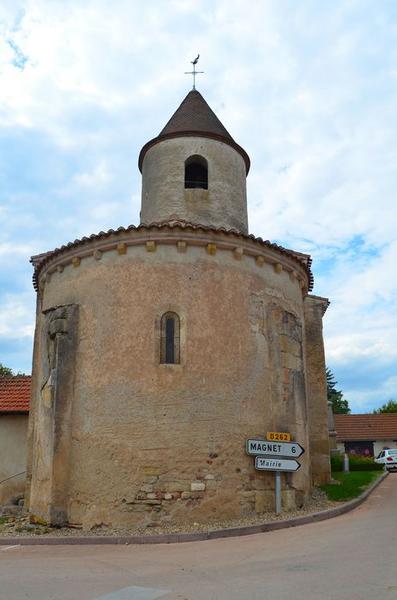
<point>194,171</point>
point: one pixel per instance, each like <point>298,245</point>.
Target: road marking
<point>10,547</point>
<point>134,593</point>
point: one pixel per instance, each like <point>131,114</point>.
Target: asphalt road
<point>351,557</point>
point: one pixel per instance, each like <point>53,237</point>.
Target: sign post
<point>278,491</point>
<point>275,454</point>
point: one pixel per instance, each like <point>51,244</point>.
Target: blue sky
<point>308,88</point>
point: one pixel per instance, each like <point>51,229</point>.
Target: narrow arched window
<point>196,172</point>
<point>169,348</point>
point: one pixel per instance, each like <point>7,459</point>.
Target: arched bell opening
<point>196,172</point>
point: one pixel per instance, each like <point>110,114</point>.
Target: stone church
<point>160,348</point>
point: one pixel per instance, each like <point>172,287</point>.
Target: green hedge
<point>357,463</point>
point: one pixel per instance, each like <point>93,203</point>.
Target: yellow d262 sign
<point>278,436</point>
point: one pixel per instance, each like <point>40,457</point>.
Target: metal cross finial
<point>194,72</point>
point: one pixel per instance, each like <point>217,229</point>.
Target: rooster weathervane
<point>194,72</point>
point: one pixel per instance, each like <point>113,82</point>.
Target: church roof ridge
<point>40,260</point>
<point>194,117</point>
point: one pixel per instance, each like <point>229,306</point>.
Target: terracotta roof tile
<point>15,393</point>
<point>194,117</point>
<point>40,260</point>
<point>194,114</point>
<point>366,427</point>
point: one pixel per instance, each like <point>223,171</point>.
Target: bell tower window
<point>169,347</point>
<point>196,172</point>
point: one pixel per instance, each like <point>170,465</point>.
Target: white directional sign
<point>269,463</point>
<point>257,447</point>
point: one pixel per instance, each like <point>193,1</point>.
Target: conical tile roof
<point>194,114</point>
<point>194,117</point>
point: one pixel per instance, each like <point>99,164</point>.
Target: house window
<point>196,172</point>
<point>169,348</point>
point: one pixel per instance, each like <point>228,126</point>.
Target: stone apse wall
<point>136,441</point>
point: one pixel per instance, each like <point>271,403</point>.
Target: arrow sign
<point>270,463</point>
<point>258,447</point>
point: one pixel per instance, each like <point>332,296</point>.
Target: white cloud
<point>367,400</point>
<point>97,178</point>
<point>17,317</point>
<point>9,251</point>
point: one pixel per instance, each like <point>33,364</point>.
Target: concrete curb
<point>174,538</point>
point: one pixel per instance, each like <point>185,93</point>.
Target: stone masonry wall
<point>158,443</point>
<point>52,425</point>
<point>164,197</point>
<point>315,307</point>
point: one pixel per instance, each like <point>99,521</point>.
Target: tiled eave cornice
<point>170,233</point>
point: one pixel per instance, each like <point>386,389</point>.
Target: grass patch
<point>3,520</point>
<point>351,484</point>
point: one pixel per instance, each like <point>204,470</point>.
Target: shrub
<point>356,462</point>
<point>336,462</point>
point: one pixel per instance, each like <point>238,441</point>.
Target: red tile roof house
<point>366,434</point>
<point>14,413</point>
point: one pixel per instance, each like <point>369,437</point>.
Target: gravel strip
<point>19,526</point>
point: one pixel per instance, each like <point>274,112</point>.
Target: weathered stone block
<point>140,496</point>
<point>177,486</point>
<point>151,479</point>
<point>211,484</point>
<point>197,495</point>
<point>57,326</point>
<point>181,246</point>
<point>151,470</point>
<point>288,499</point>
<point>278,267</point>
<point>291,362</point>
<point>248,495</point>
<point>290,346</point>
<point>151,246</point>
<point>264,501</point>
<point>122,248</point>
<point>147,488</point>
<point>197,486</point>
<point>259,484</point>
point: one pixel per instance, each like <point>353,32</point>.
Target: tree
<point>5,371</point>
<point>340,406</point>
<point>389,407</point>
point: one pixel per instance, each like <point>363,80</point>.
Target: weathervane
<point>194,72</point>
